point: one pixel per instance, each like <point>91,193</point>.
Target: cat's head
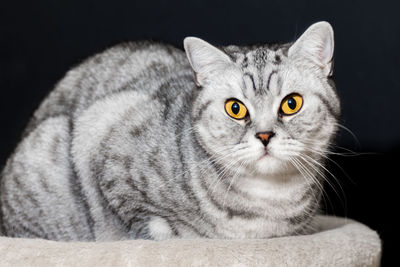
<point>265,107</point>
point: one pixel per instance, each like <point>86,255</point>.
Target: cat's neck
<point>276,186</point>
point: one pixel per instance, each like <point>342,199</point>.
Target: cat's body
<point>127,146</point>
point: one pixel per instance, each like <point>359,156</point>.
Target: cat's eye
<point>291,104</point>
<point>235,109</point>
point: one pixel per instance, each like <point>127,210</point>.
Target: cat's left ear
<point>316,44</point>
<point>204,58</point>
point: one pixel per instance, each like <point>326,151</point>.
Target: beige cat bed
<point>339,242</point>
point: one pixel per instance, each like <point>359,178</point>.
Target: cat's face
<point>262,110</point>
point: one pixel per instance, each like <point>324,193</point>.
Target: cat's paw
<point>159,228</point>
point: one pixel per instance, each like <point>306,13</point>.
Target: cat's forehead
<point>261,69</point>
<point>257,55</point>
<point>262,57</point>
<point>265,74</point>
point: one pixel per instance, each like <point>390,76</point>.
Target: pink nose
<point>265,137</point>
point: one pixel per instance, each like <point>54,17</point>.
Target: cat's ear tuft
<point>204,58</point>
<point>316,44</point>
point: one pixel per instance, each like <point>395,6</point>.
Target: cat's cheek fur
<point>217,132</point>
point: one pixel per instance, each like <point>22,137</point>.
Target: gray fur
<point>128,146</point>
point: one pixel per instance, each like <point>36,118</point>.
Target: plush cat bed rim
<point>339,242</point>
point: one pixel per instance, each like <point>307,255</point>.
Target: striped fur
<point>131,145</point>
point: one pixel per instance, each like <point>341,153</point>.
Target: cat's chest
<point>252,207</point>
<point>236,227</point>
<point>241,228</point>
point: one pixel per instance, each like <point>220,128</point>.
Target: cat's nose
<point>265,137</point>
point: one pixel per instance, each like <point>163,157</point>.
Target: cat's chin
<point>270,165</point>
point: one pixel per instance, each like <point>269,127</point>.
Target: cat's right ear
<point>204,58</point>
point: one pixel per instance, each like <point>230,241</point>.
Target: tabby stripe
<point>230,212</point>
<point>201,110</point>
<point>76,188</point>
<point>331,110</point>
<point>252,80</point>
<point>245,62</point>
<point>28,194</point>
<point>185,186</point>
<point>269,78</point>
<point>34,227</point>
<point>306,212</point>
<point>97,168</point>
<point>158,211</point>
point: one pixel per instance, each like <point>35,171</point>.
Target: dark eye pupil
<point>235,108</point>
<point>292,103</point>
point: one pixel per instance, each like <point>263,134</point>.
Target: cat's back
<point>132,66</point>
<point>41,179</point>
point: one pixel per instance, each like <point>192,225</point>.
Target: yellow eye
<point>291,104</point>
<point>235,109</point>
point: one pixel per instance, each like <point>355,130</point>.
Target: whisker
<point>225,171</point>
<point>323,155</point>
<point>326,179</point>
<point>230,184</point>
<point>309,177</point>
<point>349,131</point>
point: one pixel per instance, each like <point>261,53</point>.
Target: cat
<point>146,141</point>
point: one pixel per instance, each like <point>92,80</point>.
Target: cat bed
<point>339,242</point>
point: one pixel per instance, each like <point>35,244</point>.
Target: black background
<point>41,40</point>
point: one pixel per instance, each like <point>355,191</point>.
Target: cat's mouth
<point>267,164</point>
<point>265,158</point>
<point>264,154</point>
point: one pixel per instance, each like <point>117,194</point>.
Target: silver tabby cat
<point>131,144</point>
